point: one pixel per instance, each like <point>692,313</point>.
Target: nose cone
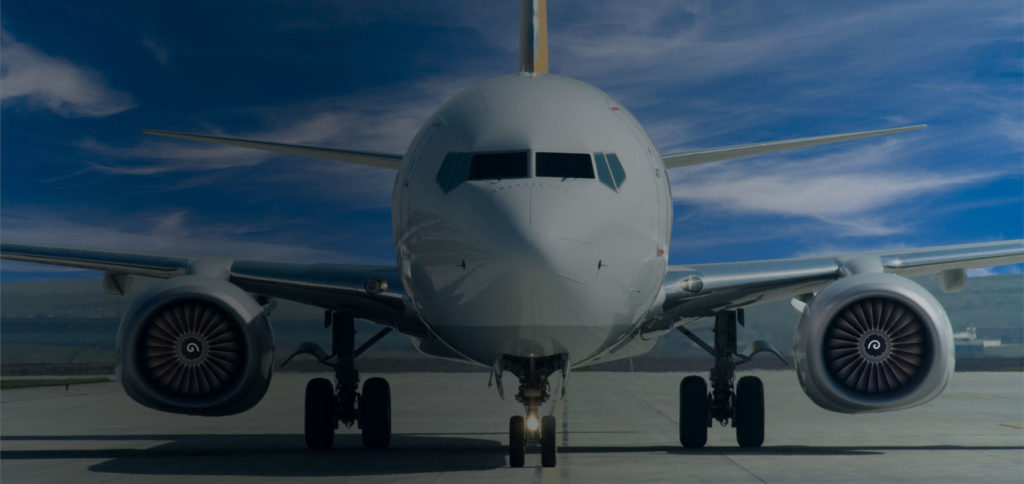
<point>524,286</point>
<point>547,235</point>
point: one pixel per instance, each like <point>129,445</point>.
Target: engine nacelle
<point>195,345</point>
<point>872,342</point>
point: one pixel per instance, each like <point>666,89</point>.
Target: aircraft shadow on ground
<point>274,455</point>
<point>286,454</point>
<point>792,450</point>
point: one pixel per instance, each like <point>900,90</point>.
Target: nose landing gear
<point>533,430</point>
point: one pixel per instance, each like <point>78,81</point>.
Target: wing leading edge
<point>380,160</point>
<point>708,155</point>
<point>700,290</point>
<point>370,292</point>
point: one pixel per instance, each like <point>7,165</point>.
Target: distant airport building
<point>978,342</point>
<point>1007,335</point>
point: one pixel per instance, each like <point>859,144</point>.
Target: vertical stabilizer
<point>533,37</point>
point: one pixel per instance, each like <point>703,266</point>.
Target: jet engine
<point>195,345</point>
<point>873,342</point>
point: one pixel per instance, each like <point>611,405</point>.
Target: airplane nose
<point>521,281</point>
<point>550,234</point>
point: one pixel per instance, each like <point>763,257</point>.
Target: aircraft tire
<point>693,412</point>
<point>516,441</point>
<point>375,413</point>
<point>749,418</point>
<point>548,446</point>
<point>319,415</point>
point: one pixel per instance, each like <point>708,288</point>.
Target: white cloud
<point>996,271</point>
<point>849,189</point>
<point>38,81</point>
<point>380,120</point>
<point>159,52</point>
<point>982,272</point>
<point>830,250</point>
<point>169,233</point>
<point>694,39</point>
<point>661,61</point>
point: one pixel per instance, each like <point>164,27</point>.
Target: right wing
<point>369,292</point>
<point>699,290</point>
<point>380,160</point>
<point>708,155</point>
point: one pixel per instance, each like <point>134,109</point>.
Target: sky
<point>80,80</point>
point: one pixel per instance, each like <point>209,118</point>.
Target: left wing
<point>370,292</point>
<point>708,155</point>
<point>699,290</point>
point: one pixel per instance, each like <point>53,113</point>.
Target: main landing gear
<point>329,403</point>
<point>533,430</point>
<point>743,403</point>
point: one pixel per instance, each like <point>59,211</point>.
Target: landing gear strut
<point>534,389</point>
<point>743,403</point>
<point>329,403</point>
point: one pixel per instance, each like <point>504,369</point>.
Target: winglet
<point>533,37</point>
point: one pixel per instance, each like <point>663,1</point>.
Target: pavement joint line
<point>645,402</point>
<point>552,475</point>
<point>741,466</point>
<point>564,468</point>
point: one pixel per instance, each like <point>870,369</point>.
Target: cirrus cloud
<point>39,81</point>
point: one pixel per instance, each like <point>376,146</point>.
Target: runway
<point>449,427</point>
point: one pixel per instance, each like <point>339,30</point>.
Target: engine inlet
<point>192,349</point>
<point>876,346</point>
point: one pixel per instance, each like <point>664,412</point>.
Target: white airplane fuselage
<point>520,262</point>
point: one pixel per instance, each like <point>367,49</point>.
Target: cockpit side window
<point>565,165</point>
<point>454,170</point>
<point>603,173</point>
<point>461,171</point>
<point>444,175</point>
<point>496,166</point>
<point>618,174</point>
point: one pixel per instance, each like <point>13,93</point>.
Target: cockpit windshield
<point>565,165</point>
<point>490,166</point>
<point>460,167</point>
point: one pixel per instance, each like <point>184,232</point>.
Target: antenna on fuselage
<point>533,37</point>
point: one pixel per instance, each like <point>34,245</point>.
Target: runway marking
<point>1014,426</point>
<point>560,473</point>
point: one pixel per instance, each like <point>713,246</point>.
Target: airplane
<point>532,219</point>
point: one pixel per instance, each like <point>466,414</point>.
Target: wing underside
<point>369,292</point>
<point>699,290</point>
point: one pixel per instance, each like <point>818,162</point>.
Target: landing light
<point>532,423</point>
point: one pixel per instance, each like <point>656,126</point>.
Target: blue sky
<point>80,80</point>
